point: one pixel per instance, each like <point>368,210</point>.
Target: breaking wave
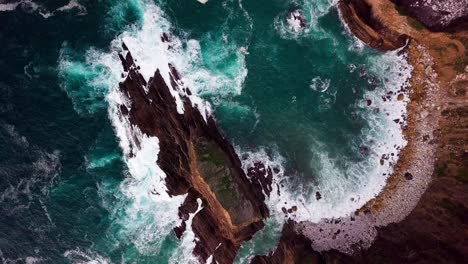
<point>30,6</point>
<point>145,214</point>
<point>215,66</point>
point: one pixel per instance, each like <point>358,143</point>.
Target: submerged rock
<point>318,196</point>
<point>296,20</point>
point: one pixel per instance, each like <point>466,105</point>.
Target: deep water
<point>297,99</point>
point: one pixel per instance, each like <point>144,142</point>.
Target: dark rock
<point>408,176</point>
<point>123,110</point>
<point>261,177</point>
<point>198,161</point>
<point>124,47</point>
<point>165,37</point>
<point>318,196</point>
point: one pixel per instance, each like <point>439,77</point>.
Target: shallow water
<point>298,100</point>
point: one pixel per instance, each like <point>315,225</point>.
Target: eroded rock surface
<point>197,160</point>
<point>361,22</point>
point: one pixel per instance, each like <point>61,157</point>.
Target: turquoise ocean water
<point>309,102</point>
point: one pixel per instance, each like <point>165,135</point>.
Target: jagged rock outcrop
<point>358,16</point>
<point>198,161</point>
<point>438,15</point>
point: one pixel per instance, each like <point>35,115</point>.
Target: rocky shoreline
<point>418,217</point>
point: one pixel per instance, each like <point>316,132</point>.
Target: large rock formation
<point>361,22</point>
<point>198,161</point>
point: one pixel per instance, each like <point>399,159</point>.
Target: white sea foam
<point>34,260</point>
<point>343,190</point>
<point>30,6</point>
<point>319,85</point>
<point>27,260</point>
<point>221,71</point>
<point>73,4</point>
<point>289,28</point>
<point>9,6</point>
<point>149,202</point>
<point>79,256</point>
<point>151,213</point>
<point>147,213</point>
<point>357,232</point>
<point>184,254</point>
<point>294,22</point>
<point>197,72</point>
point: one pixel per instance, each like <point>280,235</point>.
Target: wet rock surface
<point>261,177</point>
<point>198,161</point>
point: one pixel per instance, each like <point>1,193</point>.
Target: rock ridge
<point>198,160</point>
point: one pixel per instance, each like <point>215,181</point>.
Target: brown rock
<point>358,16</point>
<point>198,161</point>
